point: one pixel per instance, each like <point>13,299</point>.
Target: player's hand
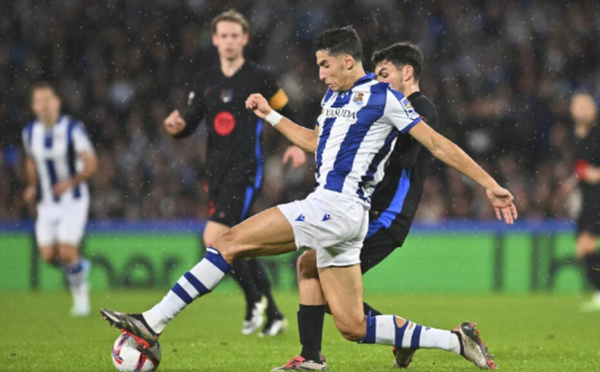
<point>174,123</point>
<point>259,105</point>
<point>30,194</point>
<point>502,201</point>
<point>61,187</point>
<point>296,154</point>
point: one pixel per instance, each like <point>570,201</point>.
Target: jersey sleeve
<point>26,136</point>
<point>273,92</point>
<point>194,111</point>
<point>81,141</point>
<point>399,112</point>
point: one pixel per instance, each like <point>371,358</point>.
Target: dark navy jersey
<point>588,149</point>
<point>396,198</point>
<point>234,151</point>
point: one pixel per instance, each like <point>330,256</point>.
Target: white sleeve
<point>81,142</point>
<point>399,112</point>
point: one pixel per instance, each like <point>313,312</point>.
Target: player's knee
<point>306,266</point>
<point>48,255</point>
<point>584,247</point>
<point>352,332</point>
<point>351,329</point>
<point>226,244</point>
<point>68,254</point>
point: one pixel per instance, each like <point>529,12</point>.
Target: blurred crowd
<point>501,74</point>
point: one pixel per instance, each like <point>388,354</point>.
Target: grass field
<point>526,333</point>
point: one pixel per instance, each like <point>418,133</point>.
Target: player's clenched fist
<point>174,123</point>
<point>259,105</point>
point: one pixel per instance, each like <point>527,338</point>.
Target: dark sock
<point>264,286</point>
<point>310,328</point>
<point>242,273</point>
<point>592,268</point>
<point>369,309</point>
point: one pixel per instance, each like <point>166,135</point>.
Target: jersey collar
<point>368,77</point>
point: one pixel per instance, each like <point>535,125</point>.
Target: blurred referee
<point>587,155</point>
<point>234,158</point>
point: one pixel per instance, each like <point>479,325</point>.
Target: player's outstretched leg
<point>267,233</point>
<point>343,290</point>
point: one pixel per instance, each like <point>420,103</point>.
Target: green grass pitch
<point>526,333</point>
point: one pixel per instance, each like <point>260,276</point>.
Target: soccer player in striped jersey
<point>355,133</point>
<point>393,205</point>
<point>59,160</point>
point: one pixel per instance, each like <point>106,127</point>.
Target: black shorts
<point>589,219</point>
<point>376,248</point>
<point>230,204</point>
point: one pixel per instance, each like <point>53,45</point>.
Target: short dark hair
<point>230,15</point>
<point>338,41</point>
<point>401,54</point>
<point>43,84</point>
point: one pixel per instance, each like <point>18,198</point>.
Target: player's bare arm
<point>90,166</point>
<point>30,192</point>
<point>449,153</point>
<point>302,137</point>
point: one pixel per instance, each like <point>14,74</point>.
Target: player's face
<point>45,104</point>
<point>230,39</point>
<point>387,72</point>
<point>583,109</point>
<point>332,71</point>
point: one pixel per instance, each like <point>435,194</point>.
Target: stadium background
<point>501,78</point>
<point>501,74</point>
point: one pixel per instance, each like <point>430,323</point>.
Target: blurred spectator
<point>500,73</point>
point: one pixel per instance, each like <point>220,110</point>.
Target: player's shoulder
<point>28,128</point>
<point>256,69</point>
<point>394,97</point>
<point>71,121</point>
<point>425,107</point>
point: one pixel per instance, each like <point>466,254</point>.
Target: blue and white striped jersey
<point>357,130</point>
<point>55,153</point>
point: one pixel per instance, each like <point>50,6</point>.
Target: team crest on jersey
<point>359,98</point>
<point>226,95</point>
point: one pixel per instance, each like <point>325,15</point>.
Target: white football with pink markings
<point>127,355</point>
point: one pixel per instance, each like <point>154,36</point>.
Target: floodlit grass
<point>526,333</point>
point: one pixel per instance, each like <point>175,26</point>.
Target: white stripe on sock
<point>385,329</point>
<point>408,332</point>
<point>208,274</point>
<point>188,287</point>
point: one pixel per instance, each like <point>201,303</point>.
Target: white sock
<point>76,275</point>
<point>200,280</point>
<point>383,329</point>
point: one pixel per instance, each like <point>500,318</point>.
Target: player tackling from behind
<point>234,154</point>
<point>393,207</point>
<point>587,154</point>
<point>359,121</point>
<point>59,160</point>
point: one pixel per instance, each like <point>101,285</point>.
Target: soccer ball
<point>127,355</point>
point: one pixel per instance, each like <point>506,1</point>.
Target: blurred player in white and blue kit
<point>59,160</point>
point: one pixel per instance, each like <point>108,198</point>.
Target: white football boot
<point>256,319</point>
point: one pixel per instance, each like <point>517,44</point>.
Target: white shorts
<point>62,222</point>
<point>333,225</point>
